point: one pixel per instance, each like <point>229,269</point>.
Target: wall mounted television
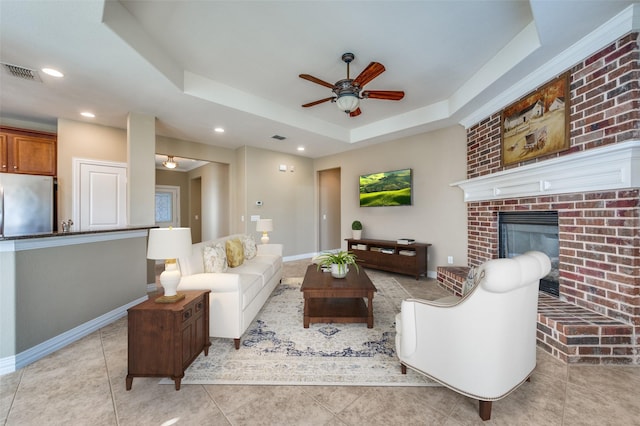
<point>383,189</point>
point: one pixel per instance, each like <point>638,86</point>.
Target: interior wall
<point>195,150</point>
<point>30,125</point>
<point>222,209</point>
<point>287,197</point>
<point>438,215</point>
<point>83,140</point>
<point>215,199</point>
<point>56,294</point>
<point>240,219</point>
<point>141,144</point>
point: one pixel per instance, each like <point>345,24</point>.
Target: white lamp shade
<point>348,103</point>
<point>264,225</point>
<point>169,243</point>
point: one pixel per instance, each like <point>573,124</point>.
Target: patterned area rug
<point>278,350</point>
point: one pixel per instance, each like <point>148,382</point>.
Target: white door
<point>167,206</point>
<point>101,194</point>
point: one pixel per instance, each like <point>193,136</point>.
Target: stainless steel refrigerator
<point>26,204</point>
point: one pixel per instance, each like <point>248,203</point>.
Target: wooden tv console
<point>410,259</point>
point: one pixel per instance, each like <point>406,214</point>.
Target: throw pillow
<point>249,247</point>
<point>470,281</point>
<point>235,254</point>
<point>473,278</point>
<point>215,258</point>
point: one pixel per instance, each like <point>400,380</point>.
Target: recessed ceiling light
<point>218,130</point>
<point>301,148</point>
<point>88,114</point>
<point>52,72</point>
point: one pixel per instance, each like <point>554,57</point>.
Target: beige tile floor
<point>84,384</point>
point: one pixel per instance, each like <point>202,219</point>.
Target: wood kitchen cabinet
<point>28,152</point>
<point>165,338</point>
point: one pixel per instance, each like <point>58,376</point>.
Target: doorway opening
<point>329,209</point>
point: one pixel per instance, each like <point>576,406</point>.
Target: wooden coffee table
<point>328,299</point>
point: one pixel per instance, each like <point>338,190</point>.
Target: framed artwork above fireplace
<point>538,124</point>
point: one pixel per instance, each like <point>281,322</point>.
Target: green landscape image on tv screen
<point>386,189</point>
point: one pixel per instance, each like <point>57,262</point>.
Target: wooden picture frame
<point>538,124</point>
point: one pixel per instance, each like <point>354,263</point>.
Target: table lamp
<point>169,244</point>
<point>264,226</point>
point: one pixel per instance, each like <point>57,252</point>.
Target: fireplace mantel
<point>612,167</point>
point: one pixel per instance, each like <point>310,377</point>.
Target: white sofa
<point>238,294</point>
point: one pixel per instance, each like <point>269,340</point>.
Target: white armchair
<point>484,344</point>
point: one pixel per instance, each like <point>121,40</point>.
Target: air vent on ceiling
<point>22,72</point>
<point>278,137</point>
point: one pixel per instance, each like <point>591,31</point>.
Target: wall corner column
<point>141,148</point>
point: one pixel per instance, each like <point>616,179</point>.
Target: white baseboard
<point>298,257</point>
<point>7,364</point>
<point>15,362</point>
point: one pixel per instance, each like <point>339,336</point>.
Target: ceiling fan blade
<point>372,70</point>
<point>310,104</point>
<point>389,95</point>
<point>355,113</point>
<point>316,80</point>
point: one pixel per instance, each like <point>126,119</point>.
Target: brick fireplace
<point>521,231</point>
<point>595,190</point>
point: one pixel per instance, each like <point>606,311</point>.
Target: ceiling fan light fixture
<point>170,164</point>
<point>348,102</point>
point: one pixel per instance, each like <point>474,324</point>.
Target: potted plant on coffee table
<point>356,228</point>
<point>338,262</point>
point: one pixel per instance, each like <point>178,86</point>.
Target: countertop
<point>70,233</point>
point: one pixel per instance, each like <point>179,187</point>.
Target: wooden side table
<point>164,339</point>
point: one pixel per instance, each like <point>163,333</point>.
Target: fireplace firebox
<point>532,230</point>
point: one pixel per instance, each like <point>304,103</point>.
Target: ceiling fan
<point>348,92</point>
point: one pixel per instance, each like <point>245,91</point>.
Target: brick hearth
<point>597,318</point>
<point>569,332</point>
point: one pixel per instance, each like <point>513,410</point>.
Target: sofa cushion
<point>274,261</point>
<point>235,253</point>
<point>249,247</point>
<point>250,286</point>
<point>215,258</point>
<point>264,270</point>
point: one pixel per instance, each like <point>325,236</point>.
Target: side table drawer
<point>193,310</point>
<point>187,314</point>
